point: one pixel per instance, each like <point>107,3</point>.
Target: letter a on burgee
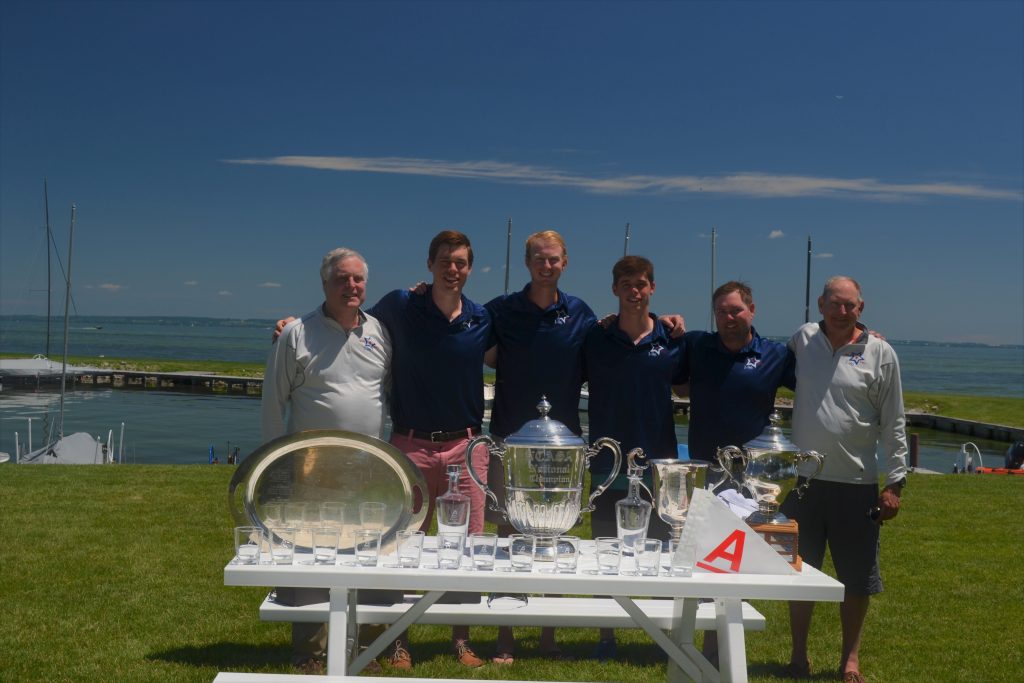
<point>724,544</point>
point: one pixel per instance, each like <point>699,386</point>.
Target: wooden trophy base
<point>783,538</point>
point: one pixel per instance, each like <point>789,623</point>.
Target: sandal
<point>504,658</point>
<point>853,677</point>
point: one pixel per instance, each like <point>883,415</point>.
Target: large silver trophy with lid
<point>769,466</point>
<point>543,465</point>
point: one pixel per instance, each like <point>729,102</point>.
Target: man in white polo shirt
<point>329,369</point>
<point>848,407</point>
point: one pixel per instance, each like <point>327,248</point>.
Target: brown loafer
<point>400,657</point>
<point>465,655</point>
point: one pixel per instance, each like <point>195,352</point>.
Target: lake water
<point>173,427</point>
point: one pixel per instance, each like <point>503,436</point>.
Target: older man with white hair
<point>329,369</point>
<point>848,407</point>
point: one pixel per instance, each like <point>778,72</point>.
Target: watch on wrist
<point>899,485</point>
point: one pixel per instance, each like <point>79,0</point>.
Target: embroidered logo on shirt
<point>562,318</point>
<point>368,343</point>
<point>856,358</point>
<point>656,349</point>
<point>468,325</point>
<point>752,363</point>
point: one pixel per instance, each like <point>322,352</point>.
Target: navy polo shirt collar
<point>521,301</point>
<point>658,334</point>
<point>753,347</point>
<point>426,301</point>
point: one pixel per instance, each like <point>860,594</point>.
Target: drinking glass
<point>332,514</point>
<point>410,548</point>
<point>325,545</point>
<point>647,554</point>
<point>282,544</point>
<point>567,552</point>
<point>449,549</point>
<point>482,548</point>
<point>609,553</point>
<point>367,547</point>
<point>248,544</point>
<point>371,515</point>
<point>520,551</point>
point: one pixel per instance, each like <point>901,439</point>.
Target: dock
<point>191,381</point>
<point>144,379</point>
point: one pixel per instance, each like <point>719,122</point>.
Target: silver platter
<point>329,466</point>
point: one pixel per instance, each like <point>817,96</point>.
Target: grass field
<point>115,574</point>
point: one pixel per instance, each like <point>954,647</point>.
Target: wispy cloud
<point>269,284</point>
<point>224,292</point>
<point>776,234</point>
<point>824,254</point>
<point>485,269</point>
<point>191,283</point>
<point>742,183</point>
<point>110,287</point>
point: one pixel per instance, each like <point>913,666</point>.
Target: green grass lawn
<point>115,574</point>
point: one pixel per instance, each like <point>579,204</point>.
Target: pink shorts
<point>433,459</point>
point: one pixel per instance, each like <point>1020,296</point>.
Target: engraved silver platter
<point>304,473</point>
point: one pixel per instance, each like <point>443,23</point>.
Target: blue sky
<point>216,150</point>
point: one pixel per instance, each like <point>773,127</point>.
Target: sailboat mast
<point>625,247</point>
<point>714,247</point>
<point>67,301</point>
<point>807,287</point>
<point>49,281</point>
<point>508,250</point>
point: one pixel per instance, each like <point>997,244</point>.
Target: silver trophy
<point>770,470</point>
<point>543,466</point>
<point>674,483</point>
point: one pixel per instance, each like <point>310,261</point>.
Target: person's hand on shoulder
<point>279,327</point>
<point>675,324</point>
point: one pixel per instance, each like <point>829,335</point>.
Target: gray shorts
<point>835,514</point>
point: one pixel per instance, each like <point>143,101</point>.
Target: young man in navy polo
<point>733,375</point>
<point>437,401</point>
<point>631,367</point>
<point>539,333</point>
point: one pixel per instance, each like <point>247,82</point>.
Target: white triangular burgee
<point>716,540</point>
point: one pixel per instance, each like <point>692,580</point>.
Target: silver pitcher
<point>543,465</point>
<point>674,483</point>
<point>770,470</point>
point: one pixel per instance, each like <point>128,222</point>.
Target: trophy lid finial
<point>543,407</point>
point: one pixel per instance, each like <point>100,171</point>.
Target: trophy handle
<point>493,450</point>
<point>817,458</point>
<point>613,445</point>
<point>724,455</point>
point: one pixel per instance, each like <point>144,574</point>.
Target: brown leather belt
<point>439,437</point>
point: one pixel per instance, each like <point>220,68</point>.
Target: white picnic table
<point>727,591</point>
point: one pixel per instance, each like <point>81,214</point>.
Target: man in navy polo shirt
<point>539,333</point>
<point>733,375</point>
<point>437,402</point>
<point>631,367</point>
